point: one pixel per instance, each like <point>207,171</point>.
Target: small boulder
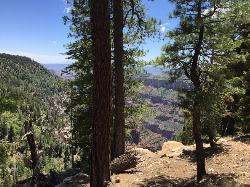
<point>171,147</point>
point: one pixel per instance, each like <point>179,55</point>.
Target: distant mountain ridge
<point>56,68</point>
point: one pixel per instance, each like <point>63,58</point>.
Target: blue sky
<point>35,28</point>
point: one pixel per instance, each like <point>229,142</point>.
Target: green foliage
<point>12,120</point>
<point>28,92</point>
<point>17,80</point>
<point>237,72</point>
<point>186,136</point>
<point>23,172</point>
<point>49,164</point>
<point>80,88</point>
<point>3,154</point>
<point>208,24</point>
<point>79,105</point>
<point>4,159</point>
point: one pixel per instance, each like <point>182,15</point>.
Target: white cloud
<point>41,58</point>
<point>163,27</point>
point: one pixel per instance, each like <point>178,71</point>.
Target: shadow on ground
<point>221,180</point>
<point>163,181</point>
<point>209,152</point>
<point>243,139</point>
<point>68,178</point>
<point>133,171</point>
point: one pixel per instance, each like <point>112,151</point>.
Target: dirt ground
<point>227,165</point>
<point>175,165</point>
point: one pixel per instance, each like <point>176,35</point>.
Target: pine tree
<point>80,91</point>
<point>238,71</point>
<point>130,16</point>
<point>79,105</point>
<point>119,105</point>
<point>100,23</point>
<point>197,48</point>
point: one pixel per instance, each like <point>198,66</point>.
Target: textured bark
<point>196,114</point>
<point>200,156</point>
<point>119,121</point>
<point>100,20</point>
<point>32,146</point>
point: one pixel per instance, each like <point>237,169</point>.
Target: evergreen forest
<point>112,117</point>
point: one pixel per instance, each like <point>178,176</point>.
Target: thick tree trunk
<point>100,20</point>
<point>119,122</point>
<point>32,145</point>
<point>200,156</point>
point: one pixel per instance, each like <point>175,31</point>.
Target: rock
<point>78,179</point>
<point>142,151</point>
<point>171,147</point>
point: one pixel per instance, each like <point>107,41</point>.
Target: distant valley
<point>161,95</point>
<point>56,68</point>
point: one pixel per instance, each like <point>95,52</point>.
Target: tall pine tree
<point>102,115</point>
<point>197,49</point>
<point>119,120</point>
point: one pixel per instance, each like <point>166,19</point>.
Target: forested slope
<point>31,102</point>
<point>23,75</point>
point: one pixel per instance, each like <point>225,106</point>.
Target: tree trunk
<point>32,145</point>
<point>100,20</point>
<point>119,122</point>
<point>196,113</point>
<point>200,157</point>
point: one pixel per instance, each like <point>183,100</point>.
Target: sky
<point>35,28</point>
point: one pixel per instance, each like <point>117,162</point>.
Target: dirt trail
<point>174,165</point>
